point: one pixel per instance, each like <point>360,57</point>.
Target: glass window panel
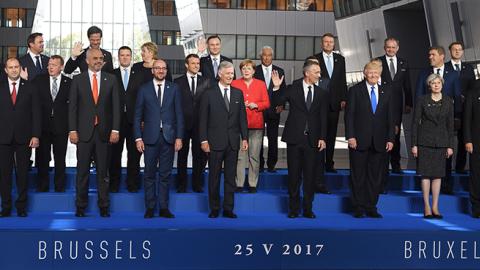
<point>77,11</point>
<point>10,16</point>
<point>279,4</point>
<point>66,11</point>
<point>169,8</point>
<point>148,7</point>
<point>228,45</point>
<point>251,49</point>
<point>291,4</point>
<point>303,47</point>
<point>318,44</point>
<point>109,9</point>
<point>223,3</point>
<point>290,48</point>
<point>203,3</point>
<point>241,46</point>
<point>22,50</point>
<point>328,5</point>
<point>97,9</point>
<point>65,36</point>
<point>279,48</point>
<point>167,38</point>
<point>30,16</point>
<point>12,51</point>
<point>55,35</point>
<point>108,37</point>
<point>212,3</point>
<point>22,15</point>
<point>153,36</point>
<point>264,41</point>
<point>178,37</point>
<point>87,11</point>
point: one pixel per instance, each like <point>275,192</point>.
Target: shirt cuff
<point>204,142</point>
<point>139,139</point>
<point>115,131</point>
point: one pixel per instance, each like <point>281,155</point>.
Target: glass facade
<point>64,22</point>
<point>346,8</point>
<point>16,17</point>
<point>11,51</point>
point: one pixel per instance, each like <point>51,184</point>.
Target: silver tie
<point>392,69</point>
<point>54,88</point>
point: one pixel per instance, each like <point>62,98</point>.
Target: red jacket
<point>256,93</point>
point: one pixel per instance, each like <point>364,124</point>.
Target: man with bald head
<point>20,118</point>
<point>94,122</point>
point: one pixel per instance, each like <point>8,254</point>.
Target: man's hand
<point>205,147</point>
<point>279,109</point>
<point>252,106</point>
<point>415,151</point>
<point>389,146</point>
<point>24,73</point>
<point>77,49</point>
<point>34,142</point>
<point>244,145</point>
<point>140,146</point>
<point>321,145</point>
<point>73,137</point>
<point>469,147</point>
<point>352,143</point>
<point>114,137</point>
<point>276,80</point>
<point>178,144</point>
<point>343,104</point>
<point>449,152</point>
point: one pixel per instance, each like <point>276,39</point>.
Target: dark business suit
<point>451,88</point>
<point>303,129</point>
<point>163,125</point>
<point>272,119</point>
<point>128,99</point>
<point>471,131</point>
<point>54,130</point>
<point>206,66</point>
<point>81,62</point>
<point>190,105</point>
<point>372,131</point>
<point>222,128</point>
<point>402,92</point>
<point>20,122</point>
<point>27,62</point>
<point>467,82</point>
<point>3,75</point>
<point>337,91</point>
<point>93,140</point>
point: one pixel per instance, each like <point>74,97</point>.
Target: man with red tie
<point>94,122</point>
<point>20,118</point>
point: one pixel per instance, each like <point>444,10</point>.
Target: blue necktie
<point>215,67</point>
<point>373,99</point>
<point>38,65</point>
<point>329,66</point>
<point>125,79</point>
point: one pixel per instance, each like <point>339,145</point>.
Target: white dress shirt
<point>16,85</point>
<point>222,87</point>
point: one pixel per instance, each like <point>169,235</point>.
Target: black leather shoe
<point>80,213</point>
<point>42,189</point>
<point>104,212</point>
<point>397,170</point>
<point>21,213</point>
<point>229,214</point>
<point>271,170</point>
<point>437,216</point>
<point>331,170</point>
<point>60,190</point>
<point>461,171</point>
<point>428,216</point>
<point>181,190</point>
<point>358,214</point>
<point>166,213</point>
<point>309,214</point>
<point>252,190</point>
<point>197,190</point>
<point>213,214</point>
<point>149,213</point>
<point>446,191</point>
<point>476,215</point>
<point>322,190</point>
<point>238,190</point>
<point>132,190</point>
<point>114,189</point>
<point>373,214</point>
<point>292,215</point>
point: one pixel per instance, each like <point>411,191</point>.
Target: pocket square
<point>236,102</point>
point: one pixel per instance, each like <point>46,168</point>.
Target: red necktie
<point>14,93</point>
<point>95,93</point>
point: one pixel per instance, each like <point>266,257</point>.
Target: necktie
<point>225,98</point>
<point>215,67</point>
<point>457,67</point>
<point>373,99</point>
<point>95,94</point>
<point>309,97</point>
<point>54,88</point>
<point>159,95</point>
<point>14,93</point>
<point>267,77</point>
<point>392,69</point>
<point>125,79</point>
<point>329,66</point>
<point>193,85</point>
<point>38,64</point>
<point>438,71</point>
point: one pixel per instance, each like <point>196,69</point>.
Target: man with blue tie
<point>370,131</point>
<point>159,106</point>
<point>451,88</point>
<point>209,64</point>
<point>34,62</point>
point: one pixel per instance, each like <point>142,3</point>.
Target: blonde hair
<point>247,62</point>
<point>152,47</point>
<point>374,64</point>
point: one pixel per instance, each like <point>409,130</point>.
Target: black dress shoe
<point>252,190</point>
<point>104,212</point>
<point>271,170</point>
<point>358,214</point>
<point>42,189</point>
<point>292,215</point>
<point>397,170</point>
<point>447,191</point>
<point>6,213</point>
<point>331,170</point>
<point>322,190</point>
<point>476,215</point>
<point>114,189</point>
<point>461,171</point>
<point>437,216</point>
<point>197,190</point>
<point>166,213</point>
<point>132,190</point>
<point>181,190</point>
<point>261,169</point>
<point>373,214</point>
<point>21,213</point>
<point>428,216</point>
<point>213,214</point>
<point>149,213</point>
<point>80,213</point>
<point>229,214</point>
<point>238,190</point>
<point>309,214</point>
<point>59,190</point>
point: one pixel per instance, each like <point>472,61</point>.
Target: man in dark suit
<point>223,122</point>
<point>78,58</point>
<point>159,105</point>
<point>451,88</point>
<point>370,131</point>
<point>34,62</point>
<point>209,64</point>
<point>471,131</point>
<point>20,118</point>
<point>305,134</point>
<point>53,91</point>
<point>192,86</point>
<point>396,73</point>
<point>272,115</point>
<point>130,81</point>
<point>332,66</point>
<point>467,81</point>
<point>94,122</point>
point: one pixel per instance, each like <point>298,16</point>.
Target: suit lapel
<point>301,96</point>
<point>220,97</point>
<point>6,91</point>
<point>20,91</point>
<point>381,96</point>
<point>364,95</point>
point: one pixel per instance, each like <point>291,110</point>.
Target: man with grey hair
<point>272,115</point>
<point>223,119</point>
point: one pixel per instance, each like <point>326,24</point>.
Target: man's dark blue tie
<point>309,97</point>
<point>38,65</point>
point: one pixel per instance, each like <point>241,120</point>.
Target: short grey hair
<point>266,48</point>
<point>224,65</point>
<point>433,77</point>
<point>308,64</point>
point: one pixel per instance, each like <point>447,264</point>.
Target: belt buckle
<point>305,132</point>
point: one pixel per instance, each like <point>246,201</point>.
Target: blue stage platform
<point>261,238</point>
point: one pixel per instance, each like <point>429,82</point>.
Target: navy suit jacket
<point>451,86</point>
<point>148,110</point>
<point>27,62</point>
